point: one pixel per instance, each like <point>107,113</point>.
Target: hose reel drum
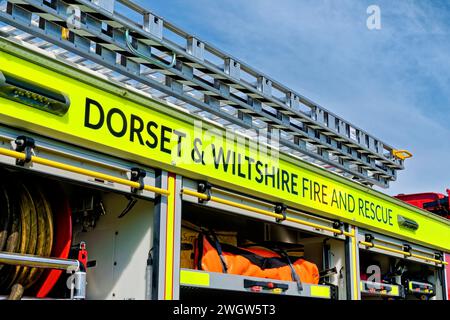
<point>27,237</point>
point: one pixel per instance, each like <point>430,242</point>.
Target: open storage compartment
<point>394,269</point>
<point>70,215</point>
<point>238,230</point>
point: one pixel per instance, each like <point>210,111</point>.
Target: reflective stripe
<point>194,278</point>
<point>395,291</point>
<point>320,291</point>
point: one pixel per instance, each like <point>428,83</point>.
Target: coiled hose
<point>26,227</point>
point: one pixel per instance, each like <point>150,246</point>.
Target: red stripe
<point>167,226</point>
<point>173,231</point>
<point>447,270</point>
<point>165,260</point>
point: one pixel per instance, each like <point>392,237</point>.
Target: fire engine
<point>140,162</point>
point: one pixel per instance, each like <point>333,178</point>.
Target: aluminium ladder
<point>125,42</point>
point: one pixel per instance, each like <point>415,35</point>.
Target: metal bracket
<point>338,225</point>
<point>328,272</point>
<point>82,254</point>
<point>407,249</point>
<point>25,144</point>
<point>138,175</point>
<point>149,59</point>
<point>204,187</point>
<point>4,34</point>
<point>369,238</point>
<point>438,256</point>
<point>131,203</point>
<point>78,288</point>
<point>280,208</point>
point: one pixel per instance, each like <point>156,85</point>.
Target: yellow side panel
<point>100,120</point>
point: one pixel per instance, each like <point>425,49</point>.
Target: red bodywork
<point>437,203</point>
<point>61,244</point>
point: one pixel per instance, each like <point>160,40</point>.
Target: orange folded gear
<point>257,261</point>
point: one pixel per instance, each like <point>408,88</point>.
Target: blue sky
<point>393,82</point>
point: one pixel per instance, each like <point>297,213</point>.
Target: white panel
<point>337,249</point>
<point>120,247</point>
<point>436,280</point>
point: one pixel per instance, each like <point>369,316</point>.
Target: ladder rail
<point>310,154</point>
<point>348,155</point>
<point>245,67</point>
<point>282,141</point>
